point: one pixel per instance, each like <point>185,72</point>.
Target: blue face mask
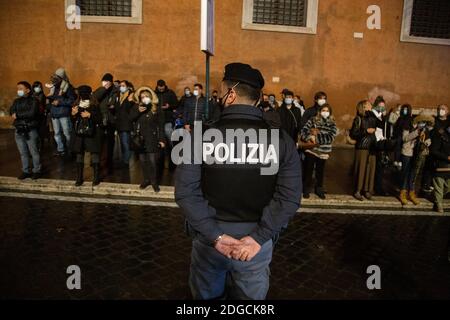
<point>20,93</point>
<point>405,112</point>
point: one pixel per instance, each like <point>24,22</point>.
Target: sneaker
<point>358,196</point>
<point>24,176</point>
<point>36,175</point>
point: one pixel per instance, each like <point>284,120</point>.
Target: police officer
<point>232,210</point>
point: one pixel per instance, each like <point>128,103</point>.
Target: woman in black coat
<point>88,135</point>
<point>124,125</point>
<point>148,135</point>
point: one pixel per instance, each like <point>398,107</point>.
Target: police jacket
<point>234,192</point>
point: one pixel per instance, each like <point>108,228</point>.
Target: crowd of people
<point>85,120</point>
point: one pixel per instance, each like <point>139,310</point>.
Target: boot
<point>96,180</point>
<point>403,198</point>
<point>80,167</point>
<point>146,175</point>
<point>413,198</point>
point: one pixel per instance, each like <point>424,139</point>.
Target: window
<point>426,21</point>
<point>109,11</point>
<point>299,16</point>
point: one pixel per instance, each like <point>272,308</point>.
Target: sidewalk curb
<point>121,190</point>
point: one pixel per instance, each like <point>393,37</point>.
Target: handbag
<point>137,139</point>
<point>84,127</point>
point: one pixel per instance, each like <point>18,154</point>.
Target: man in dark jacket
<point>440,150</point>
<point>107,95</point>
<point>25,112</point>
<point>61,98</point>
<point>194,107</point>
<point>290,116</point>
<point>320,98</point>
<point>167,104</point>
<point>233,208</point>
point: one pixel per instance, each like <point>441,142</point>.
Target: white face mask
<point>442,113</point>
<point>321,102</point>
<point>288,101</point>
<point>123,89</point>
<point>146,100</point>
<point>21,93</point>
<point>196,93</point>
<point>37,89</point>
<point>325,114</point>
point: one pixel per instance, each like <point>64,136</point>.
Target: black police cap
<point>244,73</point>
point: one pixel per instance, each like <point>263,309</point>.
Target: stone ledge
<point>121,190</point>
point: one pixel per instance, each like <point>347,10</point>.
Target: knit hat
<point>85,92</point>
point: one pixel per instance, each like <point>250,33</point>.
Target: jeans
<point>213,275</point>
<point>29,147</point>
<point>60,126</point>
<point>125,146</point>
<point>408,176</point>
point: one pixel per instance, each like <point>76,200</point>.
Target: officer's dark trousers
<point>214,276</point>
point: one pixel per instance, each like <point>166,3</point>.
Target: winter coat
<point>308,114</point>
<point>89,143</point>
<point>27,112</point>
<point>167,96</point>
<point>107,99</point>
<point>66,101</point>
<point>290,120</point>
<point>150,127</point>
<point>440,150</point>
<point>194,109</point>
<point>122,115</point>
<point>358,132</point>
<point>325,137</point>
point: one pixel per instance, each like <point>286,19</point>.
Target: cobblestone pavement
<point>132,252</point>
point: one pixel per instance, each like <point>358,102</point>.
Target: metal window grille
<point>280,12</point>
<point>431,19</point>
<point>105,8</point>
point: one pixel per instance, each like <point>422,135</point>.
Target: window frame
<point>136,15</point>
<point>406,28</point>
<point>311,20</point>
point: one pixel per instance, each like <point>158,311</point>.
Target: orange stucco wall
<point>34,41</point>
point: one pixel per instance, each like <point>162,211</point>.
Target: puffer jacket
<point>65,102</point>
<point>27,112</point>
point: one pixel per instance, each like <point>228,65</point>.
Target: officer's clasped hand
<point>245,249</point>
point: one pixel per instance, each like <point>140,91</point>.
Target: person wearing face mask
<point>363,131</point>
<point>321,131</point>
<point>148,135</point>
<point>233,211</point>
<point>43,129</point>
<point>411,133</point>
<point>108,95</point>
<point>440,151</point>
<point>61,98</point>
<point>290,116</point>
<point>25,112</point>
<point>383,145</point>
<point>392,119</point>
<point>88,133</point>
<point>124,125</point>
<point>320,98</point>
<point>194,108</point>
